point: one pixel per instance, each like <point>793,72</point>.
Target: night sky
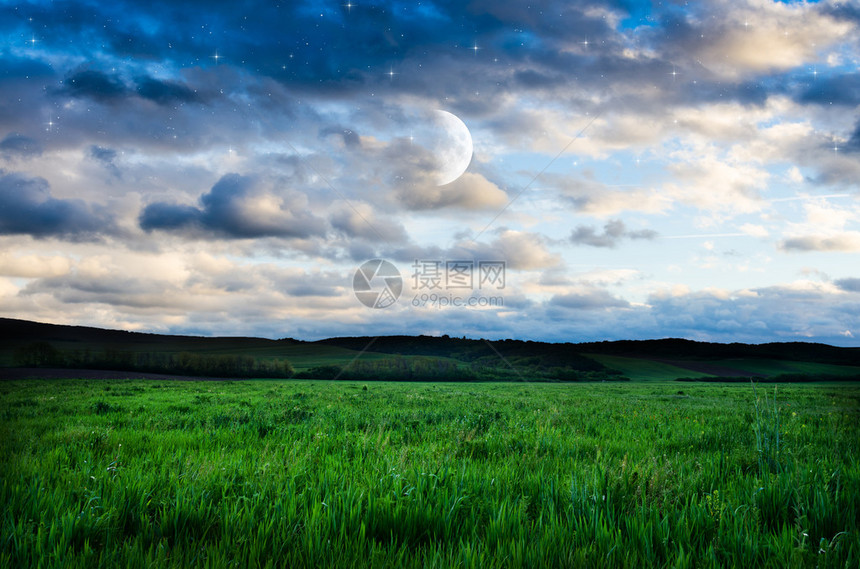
<point>643,170</point>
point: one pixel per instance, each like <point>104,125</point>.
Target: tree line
<point>400,368</point>
<point>43,354</point>
<point>395,368</point>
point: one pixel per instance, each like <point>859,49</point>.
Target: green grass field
<point>314,474</point>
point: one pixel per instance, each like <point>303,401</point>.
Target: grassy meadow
<point>288,473</point>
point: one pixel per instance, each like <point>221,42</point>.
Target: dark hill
<point>676,348</point>
<point>673,358</point>
<point>665,349</point>
<point>17,332</point>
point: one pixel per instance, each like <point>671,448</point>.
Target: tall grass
<point>321,474</point>
<point>767,431</point>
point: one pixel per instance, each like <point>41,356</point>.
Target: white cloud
<point>753,230</point>
<point>521,250</point>
<point>763,36</point>
<point>469,191</point>
<point>360,220</point>
<point>33,266</point>
<point>595,198</point>
<point>715,183</point>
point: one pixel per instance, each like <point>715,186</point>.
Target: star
<point>475,48</point>
<point>349,6</point>
<point>391,73</point>
<point>216,57</point>
<point>32,41</point>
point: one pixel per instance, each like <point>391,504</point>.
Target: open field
<point>99,473</point>
<point>641,369</point>
<point>776,367</point>
<point>645,369</point>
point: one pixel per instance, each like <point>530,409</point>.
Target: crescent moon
<point>454,150</point>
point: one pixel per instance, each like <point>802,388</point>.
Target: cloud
<point>848,241</point>
<point>735,39</point>
<point>596,299</point>
<point>520,250</point>
<point>613,233</point>
<point>238,207</point>
<point>118,291</point>
<point>102,154</point>
<point>523,250</point>
<point>672,116</point>
<point>105,156</point>
<point>359,221</point>
<point>169,216</point>
<point>33,266</point>
<point>798,311</point>
<point>753,230</point>
<point>592,197</point>
<point>706,179</point>
<point>849,284</point>
<point>16,145</point>
<point>27,207</point>
<point>184,291</point>
<point>93,84</point>
<point>469,191</point>
<point>165,92</point>
<point>853,143</point>
<point>349,136</point>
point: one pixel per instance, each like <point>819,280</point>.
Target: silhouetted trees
<point>38,354</point>
<point>43,354</point>
<point>401,368</point>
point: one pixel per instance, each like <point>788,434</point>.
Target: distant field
<point>147,473</point>
<point>777,367</point>
<point>640,369</point>
<point>305,356</point>
<point>643,369</point>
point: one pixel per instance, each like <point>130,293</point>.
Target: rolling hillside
<point>425,357</point>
